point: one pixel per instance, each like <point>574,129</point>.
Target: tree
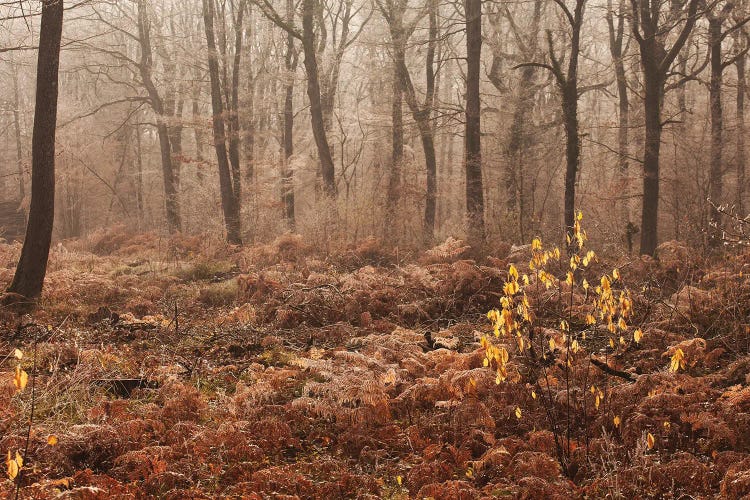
<point>521,136</point>
<point>473,138</point>
<point>291,58</point>
<point>567,83</point>
<point>146,67</point>
<point>32,266</point>
<point>716,35</point>
<point>229,178</point>
<point>617,51</point>
<point>651,27</point>
<point>741,46</point>
<point>309,48</point>
<point>394,13</point>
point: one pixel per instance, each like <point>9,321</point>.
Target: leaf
<point>638,336</point>
<point>650,441</point>
<point>518,413</point>
<point>52,440</point>
<point>399,480</point>
<point>18,354</point>
<point>12,466</point>
<point>617,421</point>
<point>616,274</point>
<point>551,344</point>
<point>20,379</point>
<point>677,361</point>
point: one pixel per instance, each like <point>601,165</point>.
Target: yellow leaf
<point>574,347</point>
<point>667,426</point>
<point>12,466</point>
<point>470,474</point>
<point>597,401</point>
<point>650,441</point>
<point>18,354</point>
<point>20,379</point>
<point>399,480</point>
<point>551,344</point>
<point>638,335</point>
<point>518,413</point>
<point>677,361</point>
<point>616,274</point>
<point>617,421</point>
<point>590,319</point>
<point>611,342</point>
<point>52,440</point>
<point>513,272</point>
<point>19,460</point>
<point>533,394</point>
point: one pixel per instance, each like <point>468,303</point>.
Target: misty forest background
<point>136,134</point>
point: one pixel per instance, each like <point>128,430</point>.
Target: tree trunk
<point>234,115</point>
<point>32,265</point>
<point>653,89</point>
<point>397,147</point>
<point>616,46</point>
<point>473,150</point>
<point>741,158</point>
<point>313,94</point>
<point>145,68</point>
<point>229,202</point>
<point>572,152</point>
<point>19,143</point>
<point>715,178</point>
<point>287,177</point>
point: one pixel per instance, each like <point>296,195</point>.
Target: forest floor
<point>184,369</point>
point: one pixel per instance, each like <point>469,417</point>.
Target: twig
<point>612,371</point>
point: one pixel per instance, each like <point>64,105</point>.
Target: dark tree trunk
<point>287,178</point>
<point>473,149</point>
<point>145,68</point>
<point>741,130</point>
<point>397,147</point>
<point>572,150</point>
<point>656,61</point>
<point>616,46</point>
<point>653,89</point>
<point>229,202</point>
<point>32,266</point>
<point>234,115</point>
<point>313,94</point>
<point>715,178</point>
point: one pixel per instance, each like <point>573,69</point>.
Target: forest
<point>374,249</point>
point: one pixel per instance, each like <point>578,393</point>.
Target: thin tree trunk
<point>616,47</point>
<point>32,265</point>
<point>234,116</point>
<point>397,148</point>
<point>19,143</point>
<point>145,67</point>
<point>715,180</point>
<point>229,202</point>
<point>473,150</point>
<point>139,173</point>
<point>741,130</point>
<point>313,93</point>
<point>287,178</point>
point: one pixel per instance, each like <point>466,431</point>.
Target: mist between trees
<point>407,120</point>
